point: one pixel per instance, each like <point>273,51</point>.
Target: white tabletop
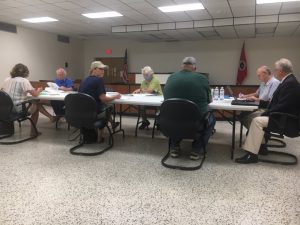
<point>150,100</point>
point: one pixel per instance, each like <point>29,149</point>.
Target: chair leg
<point>153,129</point>
<point>110,145</point>
<point>294,160</point>
<point>165,158</point>
<point>241,134</point>
<point>138,122</point>
<point>22,140</point>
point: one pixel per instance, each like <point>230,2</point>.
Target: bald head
<point>264,74</point>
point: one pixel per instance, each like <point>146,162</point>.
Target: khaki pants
<point>256,134</point>
<point>247,117</point>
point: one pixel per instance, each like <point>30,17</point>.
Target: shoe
<point>263,150</point>
<point>248,158</point>
<point>145,124</point>
<point>175,152</point>
<point>195,155</point>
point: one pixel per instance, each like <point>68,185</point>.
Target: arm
<point>65,88</point>
<point>104,98</point>
<point>35,92</point>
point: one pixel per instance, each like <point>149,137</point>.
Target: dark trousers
<point>200,143</point>
<point>58,107</point>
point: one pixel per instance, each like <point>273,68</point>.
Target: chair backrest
<point>180,119</point>
<point>284,125</point>
<point>81,111</point>
<point>6,104</point>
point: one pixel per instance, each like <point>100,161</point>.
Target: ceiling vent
<point>64,39</point>
<point>8,27</point>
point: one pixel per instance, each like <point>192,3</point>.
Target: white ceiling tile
<point>149,27</point>
<point>287,29</point>
<point>203,23</point>
<point>267,9</point>
<point>226,32</point>
<point>242,8</point>
<point>198,15</point>
<point>289,17</point>
<point>267,19</point>
<point>118,29</point>
<point>244,20</point>
<point>265,28</point>
<point>217,8</point>
<point>166,26</point>
<point>290,7</point>
<point>223,22</point>
<point>184,25</point>
<point>134,28</point>
<point>245,31</point>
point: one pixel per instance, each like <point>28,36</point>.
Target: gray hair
<point>285,65</point>
<point>267,69</point>
<point>147,70</point>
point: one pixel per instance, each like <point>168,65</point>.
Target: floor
<point>42,183</point>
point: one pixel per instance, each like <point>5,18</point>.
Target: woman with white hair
<point>150,85</point>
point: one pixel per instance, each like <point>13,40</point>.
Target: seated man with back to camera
<point>151,85</point>
<point>187,84</point>
<point>64,84</point>
<point>93,85</point>
<point>285,99</point>
<point>263,94</point>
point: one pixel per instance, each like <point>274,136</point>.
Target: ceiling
<point>221,19</point>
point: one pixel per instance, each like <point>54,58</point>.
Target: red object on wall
<point>243,69</point>
<point>108,51</point>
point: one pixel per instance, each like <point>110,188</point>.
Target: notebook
<point>241,101</point>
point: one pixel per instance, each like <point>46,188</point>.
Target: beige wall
<point>41,52</point>
<point>219,58</point>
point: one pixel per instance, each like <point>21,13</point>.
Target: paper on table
<point>52,85</point>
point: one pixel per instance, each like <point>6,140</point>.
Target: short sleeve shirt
<point>93,86</point>
<point>153,84</point>
<point>266,91</point>
<point>17,88</point>
<point>191,86</point>
<point>68,83</point>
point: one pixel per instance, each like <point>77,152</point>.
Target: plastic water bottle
<point>216,94</point>
<point>222,93</point>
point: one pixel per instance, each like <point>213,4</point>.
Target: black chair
<point>81,113</point>
<point>9,116</point>
<point>179,119</point>
<point>280,125</point>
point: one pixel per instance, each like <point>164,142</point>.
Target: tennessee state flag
<point>242,70</point>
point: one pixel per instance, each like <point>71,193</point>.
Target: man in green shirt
<point>193,86</point>
<point>149,85</point>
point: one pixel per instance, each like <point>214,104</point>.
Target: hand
<point>241,95</point>
<point>252,98</point>
<point>39,89</point>
<point>137,91</point>
<point>117,96</point>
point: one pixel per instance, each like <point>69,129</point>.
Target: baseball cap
<point>98,64</point>
<point>189,60</point>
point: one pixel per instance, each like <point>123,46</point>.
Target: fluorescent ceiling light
<point>183,7</point>
<point>274,1</point>
<point>39,20</point>
<point>102,14</point>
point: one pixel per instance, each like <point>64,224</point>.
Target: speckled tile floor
<point>42,183</point>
